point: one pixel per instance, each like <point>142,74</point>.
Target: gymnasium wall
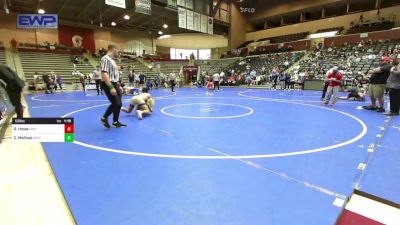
<point>102,37</point>
<point>282,7</point>
<point>239,27</point>
<point>8,30</point>
<point>355,38</point>
<point>217,52</point>
<point>313,26</point>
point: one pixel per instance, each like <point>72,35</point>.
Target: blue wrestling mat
<point>235,156</point>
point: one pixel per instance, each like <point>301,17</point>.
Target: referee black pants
<point>99,87</point>
<point>216,84</point>
<point>172,84</point>
<point>116,101</point>
<point>394,95</point>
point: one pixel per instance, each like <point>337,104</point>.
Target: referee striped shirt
<point>108,65</point>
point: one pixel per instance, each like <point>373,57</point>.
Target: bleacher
<point>61,64</point>
<point>286,38</point>
<point>167,67</point>
<point>137,66</point>
<point>268,61</point>
<point>318,64</point>
<point>213,66</point>
<point>2,57</point>
<point>370,27</point>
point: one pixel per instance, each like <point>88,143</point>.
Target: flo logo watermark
<point>247,10</point>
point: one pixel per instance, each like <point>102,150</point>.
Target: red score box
<point>68,128</point>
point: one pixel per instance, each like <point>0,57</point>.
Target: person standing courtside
<point>111,87</point>
<point>377,85</point>
<point>393,83</point>
<point>172,81</point>
<point>216,79</point>
<point>97,78</point>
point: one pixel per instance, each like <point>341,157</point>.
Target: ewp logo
<point>37,21</point>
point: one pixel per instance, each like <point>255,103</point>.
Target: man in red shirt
<point>335,80</point>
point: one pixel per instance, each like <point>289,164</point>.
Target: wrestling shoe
<point>118,124</point>
<point>104,122</point>
<point>380,110</point>
<point>391,114</point>
<point>139,115</point>
<point>370,107</point>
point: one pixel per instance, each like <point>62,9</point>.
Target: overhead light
<point>41,11</point>
<point>164,36</point>
<point>127,17</point>
<point>160,32</point>
<point>113,24</point>
<point>6,8</point>
<point>101,24</point>
<point>165,26</point>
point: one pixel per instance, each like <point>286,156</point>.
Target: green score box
<point>68,137</point>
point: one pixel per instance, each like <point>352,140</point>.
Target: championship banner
<point>116,3</point>
<point>182,17</point>
<point>189,20</point>
<point>172,3</point>
<point>181,3</point>
<point>196,21</point>
<point>143,6</point>
<point>189,4</point>
<point>203,23</point>
<point>210,25</point>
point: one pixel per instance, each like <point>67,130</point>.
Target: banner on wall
<point>189,20</point>
<point>189,4</point>
<point>181,3</point>
<point>182,17</point>
<point>210,25</point>
<point>76,37</point>
<point>37,21</point>
<point>172,3</point>
<point>116,3</point>
<point>196,21</point>
<point>203,23</point>
<point>143,6</point>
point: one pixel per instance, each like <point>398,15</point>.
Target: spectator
<point>46,80</point>
<point>131,77</point>
<point>393,83</point>
<point>377,86</point>
<point>97,79</point>
<point>157,81</point>
<point>14,44</point>
<point>149,84</point>
<point>142,79</point>
<point>59,82</point>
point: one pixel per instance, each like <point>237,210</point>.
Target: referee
<point>111,86</point>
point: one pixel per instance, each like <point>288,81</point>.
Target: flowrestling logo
<point>37,21</point>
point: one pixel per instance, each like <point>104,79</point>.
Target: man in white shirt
<point>216,79</point>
